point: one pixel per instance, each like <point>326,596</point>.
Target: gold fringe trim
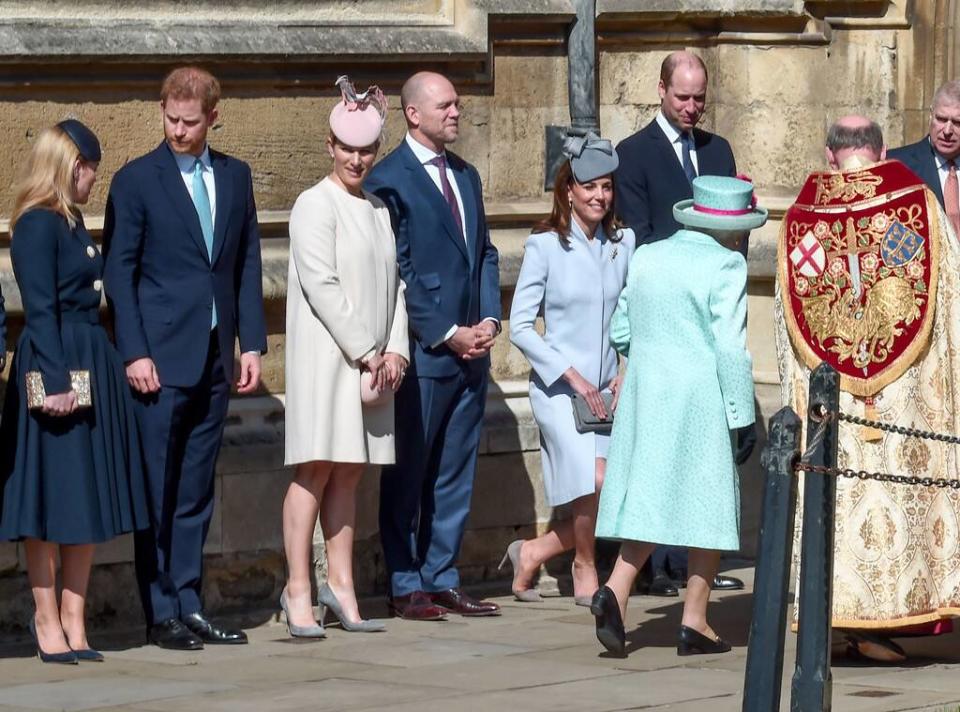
<point>939,614</point>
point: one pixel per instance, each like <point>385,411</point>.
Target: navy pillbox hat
<point>83,138</point>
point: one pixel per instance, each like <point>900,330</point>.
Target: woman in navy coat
<point>71,476</point>
<point>574,267</point>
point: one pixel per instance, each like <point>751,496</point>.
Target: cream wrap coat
<point>344,298</point>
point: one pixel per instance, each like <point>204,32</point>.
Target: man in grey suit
<point>935,157</point>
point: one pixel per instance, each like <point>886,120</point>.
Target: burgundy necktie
<point>441,163</point>
<point>951,197</point>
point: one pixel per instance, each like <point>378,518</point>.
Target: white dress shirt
<point>185,162</point>
<point>425,155</point>
<point>673,136</point>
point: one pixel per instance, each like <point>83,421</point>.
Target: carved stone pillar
<point>581,84</point>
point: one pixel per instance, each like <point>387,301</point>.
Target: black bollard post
<point>812,686</point>
<point>761,685</point>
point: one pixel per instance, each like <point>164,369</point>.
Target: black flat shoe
<point>870,646</point>
<point>690,642</point>
<point>67,658</point>
<point>171,634</point>
<point>610,630</point>
<point>209,632</point>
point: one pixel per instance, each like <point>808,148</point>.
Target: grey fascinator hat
<point>590,156</point>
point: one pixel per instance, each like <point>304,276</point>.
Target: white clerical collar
<point>186,161</point>
<point>672,132</point>
<point>423,154</point>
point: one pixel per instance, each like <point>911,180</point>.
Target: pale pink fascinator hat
<point>357,119</point>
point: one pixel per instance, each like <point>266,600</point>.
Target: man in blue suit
<point>449,267</point>
<point>936,156</point>
<point>183,277</point>
<point>657,166</point>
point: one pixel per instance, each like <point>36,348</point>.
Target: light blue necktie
<point>686,143</point>
<point>201,201</point>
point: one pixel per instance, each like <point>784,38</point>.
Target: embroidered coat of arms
<point>858,261</point>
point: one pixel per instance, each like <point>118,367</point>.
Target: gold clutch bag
<point>79,382</point>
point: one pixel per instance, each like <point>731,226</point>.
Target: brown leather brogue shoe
<point>456,600</point>
<point>416,607</point>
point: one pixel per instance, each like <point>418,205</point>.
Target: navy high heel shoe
<point>68,658</point>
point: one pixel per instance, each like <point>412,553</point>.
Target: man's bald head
<point>854,139</point>
<point>681,59</point>
<point>432,109</point>
<point>683,89</point>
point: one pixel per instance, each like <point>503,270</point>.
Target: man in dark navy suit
<point>657,165</point>
<point>449,267</point>
<point>183,277</point>
<point>936,156</point>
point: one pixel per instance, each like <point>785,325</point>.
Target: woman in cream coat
<point>347,350</point>
<point>574,266</point>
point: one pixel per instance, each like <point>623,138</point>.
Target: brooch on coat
<point>613,255</point>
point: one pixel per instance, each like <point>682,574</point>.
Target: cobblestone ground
<point>533,657</point>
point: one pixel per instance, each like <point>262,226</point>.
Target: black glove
<point>746,439</point>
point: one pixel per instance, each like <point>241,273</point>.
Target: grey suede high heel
<point>328,599</point>
<point>529,595</point>
<point>579,600</point>
<point>300,631</point>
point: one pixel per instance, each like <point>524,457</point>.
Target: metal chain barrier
<point>826,417</point>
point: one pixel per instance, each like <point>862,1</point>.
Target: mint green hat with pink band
<point>720,203</point>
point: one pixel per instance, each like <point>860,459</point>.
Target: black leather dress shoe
<point>720,583</point>
<point>173,635</point>
<point>691,642</point>
<point>208,632</point>
<point>727,583</point>
<point>456,600</point>
<point>661,585</point>
<point>606,612</point>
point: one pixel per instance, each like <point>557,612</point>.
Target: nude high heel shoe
<point>529,595</point>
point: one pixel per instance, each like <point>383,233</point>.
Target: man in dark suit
<point>449,267</point>
<point>657,165</point>
<point>936,156</point>
<point>183,277</point>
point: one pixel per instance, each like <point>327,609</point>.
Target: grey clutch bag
<point>587,422</point>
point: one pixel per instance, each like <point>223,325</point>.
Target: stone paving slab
<point>534,657</point>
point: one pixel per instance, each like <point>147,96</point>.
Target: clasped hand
<point>591,394</point>
<point>60,404</point>
<point>473,342</point>
<point>386,371</point>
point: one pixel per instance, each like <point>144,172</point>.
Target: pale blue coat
<point>576,286</point>
<point>681,321</point>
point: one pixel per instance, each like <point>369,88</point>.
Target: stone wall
<point>780,71</point>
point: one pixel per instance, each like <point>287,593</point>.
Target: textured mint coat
<point>681,322</point>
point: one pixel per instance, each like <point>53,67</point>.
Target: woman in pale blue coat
<point>671,474</point>
<point>574,266</point>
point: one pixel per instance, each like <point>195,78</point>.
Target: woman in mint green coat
<point>671,475</point>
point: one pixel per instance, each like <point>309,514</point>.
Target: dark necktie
<point>686,144</point>
<point>441,163</point>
